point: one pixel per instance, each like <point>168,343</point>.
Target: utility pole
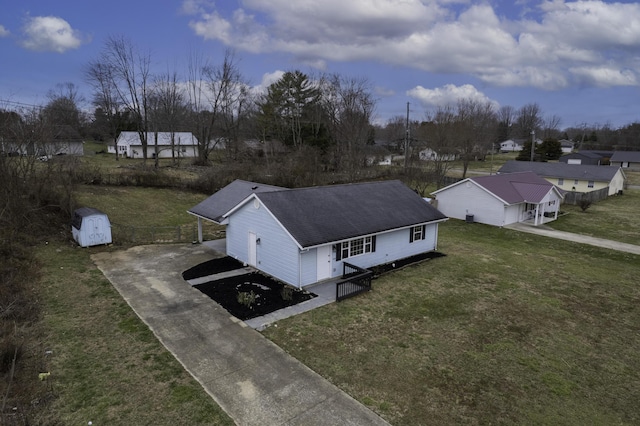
<point>406,142</point>
<point>533,143</point>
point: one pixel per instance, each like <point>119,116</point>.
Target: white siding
<point>277,255</point>
<point>467,198</point>
<point>513,214</point>
<point>617,183</point>
<point>309,264</point>
<point>392,246</point>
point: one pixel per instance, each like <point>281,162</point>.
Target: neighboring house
<point>129,145</point>
<point>566,145</point>
<point>626,159</point>
<point>501,200</point>
<point>64,141</point>
<point>593,158</point>
<point>302,236</point>
<point>572,177</point>
<point>511,145</point>
<point>429,154</point>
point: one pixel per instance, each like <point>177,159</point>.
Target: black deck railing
<point>355,280</point>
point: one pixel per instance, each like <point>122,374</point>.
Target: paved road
<point>252,379</point>
<point>568,236</point>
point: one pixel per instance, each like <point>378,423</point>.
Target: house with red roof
<point>501,200</point>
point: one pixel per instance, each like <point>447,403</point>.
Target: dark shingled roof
<point>228,197</point>
<point>562,170</point>
<point>516,187</point>
<point>325,214</point>
<point>630,156</point>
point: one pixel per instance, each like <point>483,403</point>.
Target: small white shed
<point>90,227</point>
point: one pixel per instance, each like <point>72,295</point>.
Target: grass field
<point>106,365</point>
<point>506,329</point>
<point>615,218</point>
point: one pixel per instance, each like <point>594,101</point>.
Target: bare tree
<point>439,130</point>
<point>217,97</point>
<point>100,75</point>
<point>528,119</point>
<point>506,117</point>
<point>551,126</point>
<point>349,105</point>
<point>129,71</point>
<point>475,130</point>
<point>167,109</point>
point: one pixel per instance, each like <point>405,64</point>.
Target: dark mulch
<point>269,294</point>
<point>381,269</point>
<point>213,266</point>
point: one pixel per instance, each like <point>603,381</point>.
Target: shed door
<point>252,255</point>
<point>323,254</point>
<point>95,230</point>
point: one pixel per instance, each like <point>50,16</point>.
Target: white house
<point>169,145</point>
<point>572,177</point>
<point>510,146</point>
<point>302,236</point>
<point>501,200</point>
<point>429,154</point>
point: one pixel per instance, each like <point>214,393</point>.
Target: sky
<point>578,60</point>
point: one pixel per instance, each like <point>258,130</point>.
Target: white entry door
<point>323,254</point>
<point>253,249</point>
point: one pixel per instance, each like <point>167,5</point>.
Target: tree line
<point>328,117</point>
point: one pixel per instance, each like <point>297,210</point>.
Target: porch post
<point>199,230</point>
<point>535,221</point>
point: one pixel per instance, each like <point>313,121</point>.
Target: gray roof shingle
<point>324,214</point>
<point>228,197</point>
<point>630,156</point>
<point>562,170</point>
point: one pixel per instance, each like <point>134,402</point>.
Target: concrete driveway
<point>252,379</point>
<point>568,236</point>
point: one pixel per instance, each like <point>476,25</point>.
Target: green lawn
<point>615,218</point>
<point>508,328</point>
<point>106,366</point>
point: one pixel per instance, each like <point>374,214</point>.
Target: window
<point>590,184</point>
<point>417,233</point>
<point>355,247</point>
<point>575,182</point>
<point>560,181</point>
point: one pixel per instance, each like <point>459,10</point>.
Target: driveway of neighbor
<point>252,379</point>
<point>568,236</point>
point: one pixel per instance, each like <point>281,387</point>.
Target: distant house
<point>170,144</point>
<point>65,140</point>
<point>302,236</point>
<point>572,177</point>
<point>566,145</point>
<point>501,200</point>
<point>626,159</point>
<point>594,158</point>
<point>429,154</point>
<point>511,145</point>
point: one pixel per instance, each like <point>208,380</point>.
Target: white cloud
<point>50,34</point>
<point>3,31</point>
<point>563,43</point>
<point>448,94</point>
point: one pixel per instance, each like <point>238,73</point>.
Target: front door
<point>253,250</point>
<point>323,254</point>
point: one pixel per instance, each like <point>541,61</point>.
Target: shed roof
<point>630,156</point>
<point>228,197</point>
<point>325,214</point>
<point>562,170</point>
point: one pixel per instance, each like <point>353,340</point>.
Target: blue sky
<point>579,60</point>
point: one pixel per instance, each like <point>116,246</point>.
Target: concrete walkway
<point>252,379</point>
<point>568,236</point>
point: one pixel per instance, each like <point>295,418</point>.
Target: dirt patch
<point>381,269</point>
<point>213,266</point>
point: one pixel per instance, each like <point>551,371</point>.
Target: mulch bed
<point>381,269</point>
<point>213,266</point>
<point>270,295</point>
